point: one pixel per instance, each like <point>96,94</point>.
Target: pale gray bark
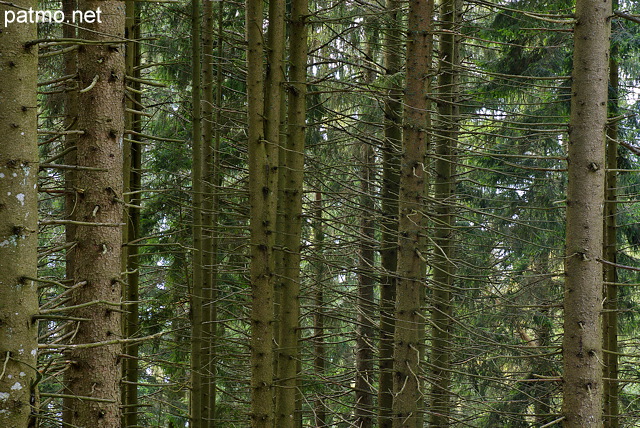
<point>18,223</point>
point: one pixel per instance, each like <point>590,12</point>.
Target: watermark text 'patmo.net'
<point>33,16</point>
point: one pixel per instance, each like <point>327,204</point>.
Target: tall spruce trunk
<point>208,214</point>
<point>96,369</point>
<point>409,316</point>
<point>319,273</point>
<point>365,301</point>
<point>365,307</point>
<point>216,179</point>
<point>18,222</point>
<point>293,164</point>
<point>263,162</point>
<point>389,224</point>
<point>582,342</point>
<point>446,129</point>
<point>133,186</point>
<point>273,117</point>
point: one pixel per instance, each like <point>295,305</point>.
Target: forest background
<point>320,213</point>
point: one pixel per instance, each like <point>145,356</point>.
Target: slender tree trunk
<point>610,313</point>
<point>389,235</point>
<point>289,356</point>
<point>133,184</point>
<point>446,129</point>
<point>208,214</point>
<point>582,343</point>
<point>319,268</point>
<point>274,114</point>
<point>96,371</point>
<point>216,180</point>
<point>197,179</point>
<point>18,222</point>
<point>365,308</point>
<point>263,162</point>
<point>364,338</point>
<point>411,260</point>
<point>543,326</point>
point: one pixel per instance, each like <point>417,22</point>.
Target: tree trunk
<point>319,268</point>
<point>96,370</point>
<point>197,179</point>
<point>18,223</point>
<point>582,343</point>
<point>364,305</point>
<point>411,260</point>
<point>389,235</point>
<point>133,185</point>
<point>209,215</point>
<point>365,308</point>
<point>274,114</point>
<point>263,163</point>
<point>212,137</point>
<point>543,326</point>
<point>289,355</point>
<point>446,129</point>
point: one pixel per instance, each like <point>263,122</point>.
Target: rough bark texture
<point>411,262</point>
<point>263,163</point>
<point>443,267</point>
<point>96,370</point>
<point>18,223</point>
<point>389,234</point>
<point>582,343</point>
<point>289,356</point>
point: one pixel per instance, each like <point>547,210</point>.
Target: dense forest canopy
<point>339,213</point>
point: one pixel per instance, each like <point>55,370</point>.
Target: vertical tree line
<point>582,345</point>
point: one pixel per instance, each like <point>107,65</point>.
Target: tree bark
<point>411,261</point>
<point>197,180</point>
<point>289,355</point>
<point>209,214</point>
<point>389,234</point>
<point>319,270</point>
<point>582,342</point>
<point>364,306</point>
<point>263,163</point>
<point>96,371</point>
<point>18,223</point>
<point>133,186</point>
<point>446,130</point>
